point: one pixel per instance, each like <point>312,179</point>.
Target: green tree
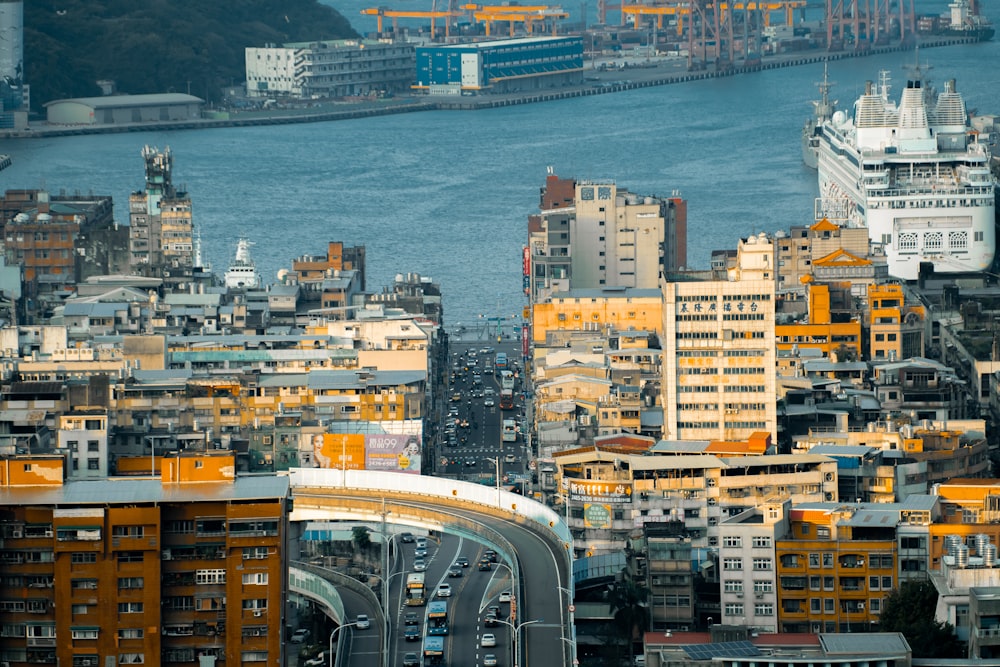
<point>362,540</point>
<point>909,609</point>
<point>627,602</point>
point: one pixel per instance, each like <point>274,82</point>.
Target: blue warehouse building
<point>502,66</point>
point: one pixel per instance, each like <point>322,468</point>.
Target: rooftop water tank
<point>961,556</point>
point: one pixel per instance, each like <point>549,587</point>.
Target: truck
<point>509,431</point>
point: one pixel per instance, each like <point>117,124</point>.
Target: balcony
<point>988,633</point>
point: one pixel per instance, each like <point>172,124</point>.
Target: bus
<point>437,618</point>
<point>500,362</point>
<point>506,399</point>
<point>433,651</point>
<point>506,380</point>
<point>509,432</point>
<point>415,589</point>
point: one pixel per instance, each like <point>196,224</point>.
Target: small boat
<point>242,273</point>
<point>822,112</point>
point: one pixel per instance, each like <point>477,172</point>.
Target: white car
<point>444,591</point>
<point>419,565</point>
<point>363,622</point>
<point>505,596</point>
<point>489,640</point>
<point>490,660</point>
<point>300,636</point>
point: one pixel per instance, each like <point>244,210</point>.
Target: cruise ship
<point>914,174</point>
<point>242,273</point>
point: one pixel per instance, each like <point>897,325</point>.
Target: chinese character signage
<point>391,451</point>
<point>596,491</point>
<point>343,451</point>
<point>596,516</point>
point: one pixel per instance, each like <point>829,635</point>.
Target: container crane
<point>514,14</point>
<point>380,12</point>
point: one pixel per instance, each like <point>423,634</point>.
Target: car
<point>362,622</point>
<point>485,565</point>
<point>318,661</point>
<point>406,538</point>
<point>444,591</point>
<point>494,609</point>
<point>492,555</point>
<point>454,571</point>
<point>419,565</point>
<point>462,561</point>
<point>504,597</point>
<point>489,402</point>
<point>411,618</point>
<point>422,542</point>
<point>489,660</point>
<point>470,463</point>
<point>420,552</point>
<point>510,458</point>
<point>456,397</point>
<point>300,636</point>
<point>412,633</point>
<point>488,640</point>
<point>411,659</point>
<point>491,621</point>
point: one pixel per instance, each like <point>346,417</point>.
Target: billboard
<point>394,452</point>
<point>597,491</point>
<point>344,451</point>
<point>596,515</point>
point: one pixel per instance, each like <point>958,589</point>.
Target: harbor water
<point>446,194</point>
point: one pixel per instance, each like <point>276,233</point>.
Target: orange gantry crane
<point>659,11</point>
<point>513,15</point>
<point>380,12</point>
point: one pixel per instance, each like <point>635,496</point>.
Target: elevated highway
<point>532,539</point>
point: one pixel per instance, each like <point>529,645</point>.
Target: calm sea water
<point>447,194</point>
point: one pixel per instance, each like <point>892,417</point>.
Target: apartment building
<point>184,568</point>
<point>602,237</point>
<point>161,227</point>
<point>746,556</point>
<point>818,331</point>
<point>798,250</point>
<point>897,327</point>
<point>719,355</point>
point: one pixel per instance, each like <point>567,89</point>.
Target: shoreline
<point>640,78</point>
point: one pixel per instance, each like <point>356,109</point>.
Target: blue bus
<point>500,362</point>
<point>437,618</point>
<point>433,651</point>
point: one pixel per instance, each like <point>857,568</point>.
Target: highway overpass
<point>535,541</point>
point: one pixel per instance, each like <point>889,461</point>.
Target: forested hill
<point>158,46</point>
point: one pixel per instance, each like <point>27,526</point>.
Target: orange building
<point>969,507</point>
<point>836,567</point>
<point>819,331</point>
<point>896,329</point>
<point>182,569</point>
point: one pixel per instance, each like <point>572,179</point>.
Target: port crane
<point>527,15</point>
<point>867,22</point>
<point>381,12</point>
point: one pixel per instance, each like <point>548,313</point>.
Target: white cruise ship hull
<point>925,198</point>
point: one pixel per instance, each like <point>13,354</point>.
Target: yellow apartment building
<point>896,328</point>
<point>819,331</point>
<point>835,567</point>
<point>184,568</point>
<point>597,310</point>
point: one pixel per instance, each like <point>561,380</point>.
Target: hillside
<point>158,46</point>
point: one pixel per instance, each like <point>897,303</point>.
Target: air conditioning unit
<point>16,532</point>
<point>257,612</point>
<point>758,595</point>
<point>739,596</point>
<point>861,606</point>
<point>166,555</point>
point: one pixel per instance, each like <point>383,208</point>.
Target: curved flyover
<point>533,538</point>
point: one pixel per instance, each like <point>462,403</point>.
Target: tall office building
<point>188,568</point>
<point>161,232</point>
<point>718,350</point>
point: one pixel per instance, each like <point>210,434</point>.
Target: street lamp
<point>572,624</point>
<point>333,634</point>
<point>496,462</point>
<point>516,632</point>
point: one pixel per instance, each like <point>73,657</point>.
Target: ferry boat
<point>813,129</point>
<point>915,174</point>
<point>242,273</point>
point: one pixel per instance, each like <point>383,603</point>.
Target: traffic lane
<point>541,571</point>
<point>464,608</point>
<point>366,645</point>
<point>439,561</point>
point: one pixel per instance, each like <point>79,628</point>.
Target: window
<point>762,563</point>
<point>761,542</point>
<point>129,607</point>
<point>84,633</point>
<point>126,583</point>
<point>732,541</point>
<point>823,532</point>
<point>254,656</point>
<point>93,446</point>
<point>886,583</point>
<point>255,578</point>
<point>210,577</point>
<point>873,583</point>
<point>763,586</point>
<point>827,560</point>
<point>79,609</point>
<point>131,633</point>
<point>763,609</point>
<point>828,583</point>
<point>93,464</point>
<point>83,558</point>
<point>84,584</point>
<point>259,603</point>
<point>813,560</point>
<point>732,564</point>
<point>733,586</point>
<point>131,658</point>
<point>734,609</point>
<point>128,531</point>
<point>130,556</point>
<point>829,605</point>
<point>815,605</point>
